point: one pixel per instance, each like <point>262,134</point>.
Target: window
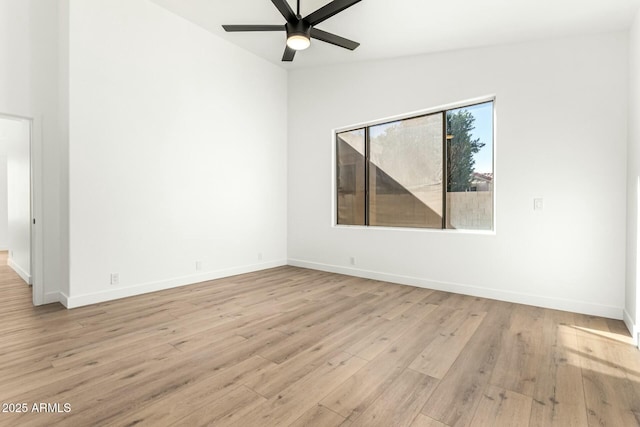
<point>430,171</point>
<point>351,177</point>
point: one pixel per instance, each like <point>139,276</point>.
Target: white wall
<point>177,153</point>
<point>63,145</point>
<point>18,195</point>
<point>29,87</point>
<point>632,318</point>
<point>15,52</point>
<point>4,232</point>
<point>561,135</point>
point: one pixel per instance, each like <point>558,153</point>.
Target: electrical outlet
<point>259,256</point>
<point>352,260</point>
<point>115,278</point>
<point>538,204</point>
<point>198,265</point>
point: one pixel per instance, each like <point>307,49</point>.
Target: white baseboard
<point>19,270</point>
<point>575,306</point>
<point>51,297</point>
<point>75,301</point>
<point>632,327</point>
<point>63,299</point>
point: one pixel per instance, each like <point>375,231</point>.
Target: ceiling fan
<point>301,30</point>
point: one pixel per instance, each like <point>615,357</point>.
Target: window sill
<point>419,230</point>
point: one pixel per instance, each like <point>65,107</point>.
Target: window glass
<point>470,167</point>
<point>350,177</point>
<point>405,173</point>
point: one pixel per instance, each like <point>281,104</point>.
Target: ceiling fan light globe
<point>298,42</point>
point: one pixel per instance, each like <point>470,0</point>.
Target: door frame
<point>636,321</point>
<point>36,209</point>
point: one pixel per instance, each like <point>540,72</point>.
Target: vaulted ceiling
<point>388,28</point>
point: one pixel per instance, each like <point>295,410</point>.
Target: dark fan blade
<point>285,10</point>
<point>327,11</point>
<point>233,28</point>
<point>333,39</point>
<point>288,54</point>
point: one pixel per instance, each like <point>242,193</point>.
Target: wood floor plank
<point>610,396</point>
<point>79,388</point>
<point>502,408</point>
<point>296,317</point>
<point>224,410</point>
<point>358,392</point>
<point>292,402</point>
<point>400,403</point>
<point>520,351</point>
<point>424,421</point>
<point>61,341</point>
<point>318,416</point>
<point>292,346</point>
<point>176,407</point>
<point>459,392</point>
<point>35,326</point>
<point>278,377</point>
<point>558,398</point>
<point>132,393</point>
<point>436,359</point>
<point>50,381</point>
<point>112,349</point>
<point>400,308</point>
<point>380,338</point>
<point>298,341</point>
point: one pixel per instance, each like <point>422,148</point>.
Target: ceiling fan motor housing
<point>299,28</point>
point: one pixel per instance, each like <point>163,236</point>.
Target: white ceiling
<point>388,28</point>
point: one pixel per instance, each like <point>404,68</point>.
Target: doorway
<point>16,218</point>
<point>636,264</point>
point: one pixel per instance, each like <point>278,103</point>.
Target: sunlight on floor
<point>624,339</point>
<point>601,352</point>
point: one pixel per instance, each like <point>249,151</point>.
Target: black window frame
<point>445,166</point>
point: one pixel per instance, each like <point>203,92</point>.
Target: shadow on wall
<point>391,204</point>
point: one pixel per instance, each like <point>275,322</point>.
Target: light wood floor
<point>297,347</point>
